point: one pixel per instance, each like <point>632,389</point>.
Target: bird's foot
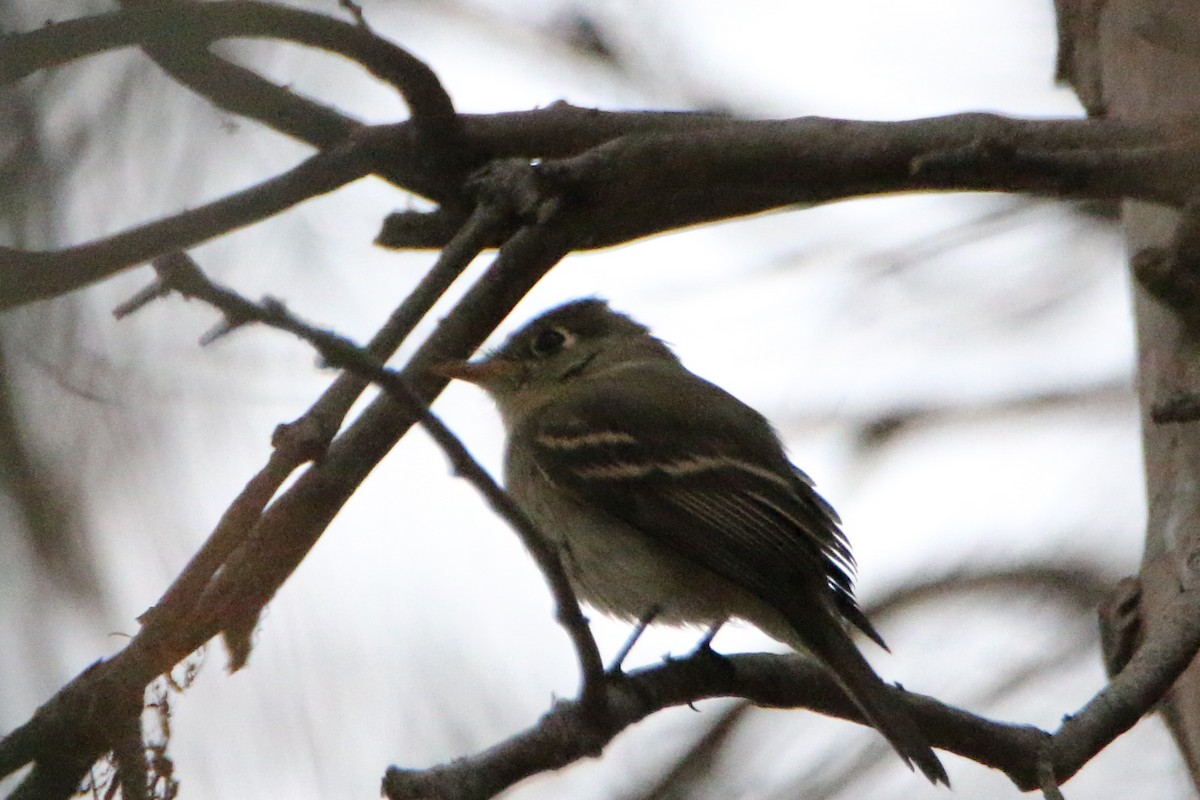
<point>704,646</point>
<point>614,668</point>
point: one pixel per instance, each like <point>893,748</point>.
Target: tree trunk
<point>1140,60</point>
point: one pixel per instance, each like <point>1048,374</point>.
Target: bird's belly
<point>627,574</point>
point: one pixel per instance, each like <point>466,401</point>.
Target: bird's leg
<point>705,645</point>
<point>638,629</point>
<point>704,650</point>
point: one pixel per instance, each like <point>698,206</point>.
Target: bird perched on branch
<point>668,496</point>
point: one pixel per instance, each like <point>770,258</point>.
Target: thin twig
<point>356,11</point>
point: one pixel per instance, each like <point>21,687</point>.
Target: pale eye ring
<point>549,342</point>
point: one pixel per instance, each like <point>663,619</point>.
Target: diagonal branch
<point>1167,651</point>
<point>27,276</point>
<point>306,438</point>
<point>182,274</point>
<point>74,724</point>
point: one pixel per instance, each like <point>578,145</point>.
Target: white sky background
<point>418,630</point>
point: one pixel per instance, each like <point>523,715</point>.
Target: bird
<point>667,497</point>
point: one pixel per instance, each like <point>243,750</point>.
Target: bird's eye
<point>548,342</point>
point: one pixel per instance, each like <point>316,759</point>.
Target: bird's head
<point>572,342</point>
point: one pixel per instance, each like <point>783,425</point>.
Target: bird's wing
<point>688,464</point>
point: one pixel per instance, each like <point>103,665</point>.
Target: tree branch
<point>599,179</point>
<point>289,527</point>
<point>567,733</point>
<point>170,22</point>
<point>1032,758</point>
<point>1161,657</point>
<point>634,186</point>
<point>306,438</point>
<point>181,273</point>
<point>244,92</point>
<point>628,174</point>
<point>27,276</point>
<point>644,183</point>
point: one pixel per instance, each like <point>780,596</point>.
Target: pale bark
<point>1139,60</point>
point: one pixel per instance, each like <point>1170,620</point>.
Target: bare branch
<point>1161,657</point>
<point>561,129</point>
<point>27,276</point>
<point>567,734</point>
<point>478,232</point>
<point>636,185</point>
<point>630,174</point>
<point>170,22</point>
<point>598,179</point>
<point>638,174</point>
<point>1032,758</point>
<point>281,537</point>
<point>418,230</point>
<point>1077,588</point>
<point>181,273</point>
<point>244,92</point>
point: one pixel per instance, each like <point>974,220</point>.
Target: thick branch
<point>635,175</point>
<point>1138,62</point>
<point>627,174</point>
<point>561,130</point>
<point>640,184</point>
<point>567,733</point>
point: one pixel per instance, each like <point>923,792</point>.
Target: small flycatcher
<point>668,496</point>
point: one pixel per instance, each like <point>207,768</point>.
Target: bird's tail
<point>829,641</point>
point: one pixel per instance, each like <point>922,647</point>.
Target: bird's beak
<point>481,373</point>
